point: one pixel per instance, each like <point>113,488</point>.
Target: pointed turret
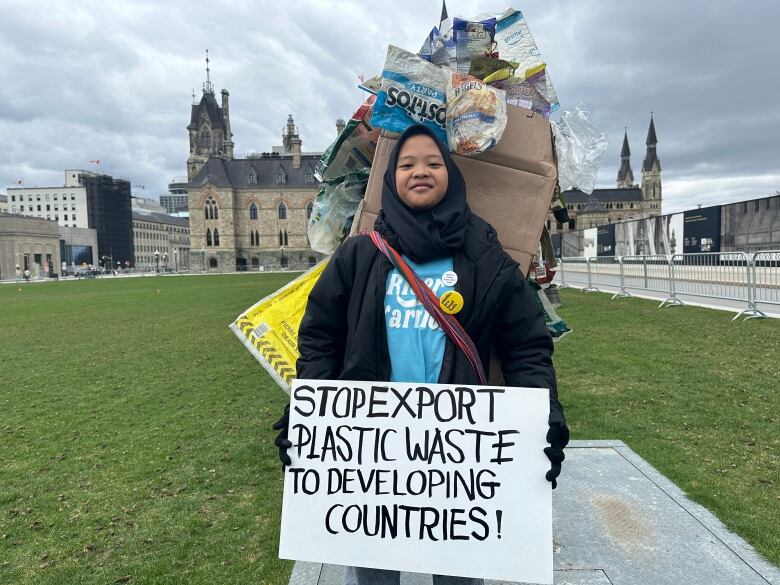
<point>651,157</point>
<point>625,177</point>
<point>651,173</point>
<point>443,11</point>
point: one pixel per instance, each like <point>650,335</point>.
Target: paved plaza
<point>618,521</point>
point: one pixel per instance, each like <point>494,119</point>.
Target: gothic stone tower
<point>209,128</point>
<point>651,174</point>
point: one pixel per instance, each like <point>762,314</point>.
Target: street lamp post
<point>203,251</point>
<point>165,262</point>
<point>157,261</point>
<point>176,259</point>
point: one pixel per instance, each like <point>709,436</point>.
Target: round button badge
<point>449,278</point>
<point>451,302</point>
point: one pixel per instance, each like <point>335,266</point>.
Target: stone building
<point>625,201</point>
<point>167,235</point>
<point>28,242</point>
<point>248,213</point>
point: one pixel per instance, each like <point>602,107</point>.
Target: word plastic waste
<point>580,146</point>
<point>476,115</point>
<point>412,92</point>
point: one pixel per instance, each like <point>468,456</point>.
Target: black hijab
<point>428,234</point>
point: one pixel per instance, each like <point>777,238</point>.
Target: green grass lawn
<point>135,433</point>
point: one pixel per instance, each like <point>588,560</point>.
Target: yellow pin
<point>451,302</point>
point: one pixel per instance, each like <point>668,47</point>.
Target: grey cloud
<point>87,80</point>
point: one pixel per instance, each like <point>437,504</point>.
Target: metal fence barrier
<point>734,276</point>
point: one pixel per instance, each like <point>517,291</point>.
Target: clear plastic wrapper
<point>334,210</point>
<point>412,91</point>
<point>476,115</point>
<point>580,146</point>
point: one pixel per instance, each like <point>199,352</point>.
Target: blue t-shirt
<point>414,338</point>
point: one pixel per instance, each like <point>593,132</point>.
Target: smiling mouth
<point>421,187</point>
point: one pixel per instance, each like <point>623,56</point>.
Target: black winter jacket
<point>342,335</point>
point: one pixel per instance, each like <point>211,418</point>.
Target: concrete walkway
<point>618,521</point>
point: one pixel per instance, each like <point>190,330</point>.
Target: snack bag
<point>476,115</point>
<point>472,39</point>
<point>412,91</point>
<point>514,42</point>
<point>527,92</point>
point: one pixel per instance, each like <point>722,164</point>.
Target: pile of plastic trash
<point>460,83</point>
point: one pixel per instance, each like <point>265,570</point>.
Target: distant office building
<point>86,200</point>
<point>175,202</point>
<point>67,204</point>
<point>160,232</point>
<point>3,204</point>
<point>109,212</point>
<point>78,248</point>
<point>142,203</point>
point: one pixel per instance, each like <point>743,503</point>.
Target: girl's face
<point>421,176</point>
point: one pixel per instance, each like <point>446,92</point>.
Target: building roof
<point>593,206</point>
<point>603,195</point>
<point>208,103</point>
<point>235,173</point>
<point>651,139</point>
<point>154,217</point>
<point>626,151</point>
<point>651,157</point>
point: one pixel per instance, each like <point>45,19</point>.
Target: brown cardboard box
<point>509,186</point>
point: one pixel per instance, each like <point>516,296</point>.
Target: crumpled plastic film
<point>334,210</point>
<point>580,146</point>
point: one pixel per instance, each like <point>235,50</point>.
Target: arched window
<point>283,262</point>
<point>285,238</point>
<point>251,238</point>
<point>281,178</point>
<point>251,178</point>
<point>205,138</point>
<point>282,211</point>
<point>208,237</point>
<point>571,224</point>
<point>312,261</point>
<point>255,263</point>
<point>281,240</point>
<point>549,224</point>
<point>309,209</point>
<point>211,211</point>
<point>216,237</point>
<point>257,238</point>
<point>253,211</point>
<point>212,262</point>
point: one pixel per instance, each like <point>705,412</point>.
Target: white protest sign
<point>428,478</point>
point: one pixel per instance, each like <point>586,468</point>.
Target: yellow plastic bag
<point>269,329</point>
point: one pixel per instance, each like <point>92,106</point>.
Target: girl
<point>363,322</point>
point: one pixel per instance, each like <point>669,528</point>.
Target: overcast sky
<point>83,80</point>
